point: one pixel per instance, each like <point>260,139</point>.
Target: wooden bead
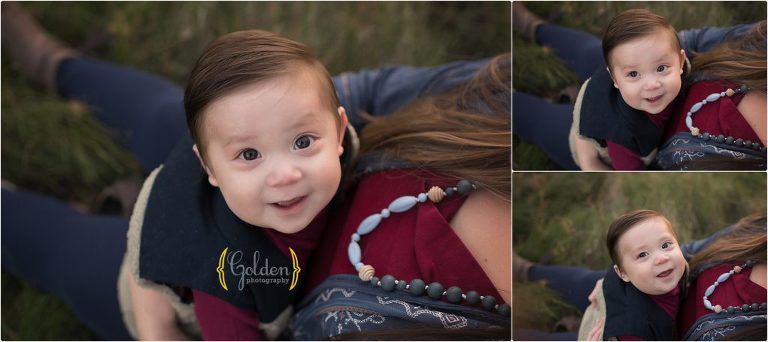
<point>695,131</point>
<point>737,269</point>
<point>435,194</point>
<point>718,308</point>
<point>729,92</point>
<point>366,272</point>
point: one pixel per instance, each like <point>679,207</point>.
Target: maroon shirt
<point>418,243</point>
<point>737,290</point>
<point>720,117</point>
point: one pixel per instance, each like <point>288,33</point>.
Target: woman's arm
<point>705,38</point>
<point>385,90</point>
<point>752,108</point>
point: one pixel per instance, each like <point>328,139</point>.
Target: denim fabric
<point>386,90</point>
<point>73,255</point>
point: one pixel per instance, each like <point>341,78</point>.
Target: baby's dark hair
<point>632,24</point>
<point>623,223</point>
<point>243,58</point>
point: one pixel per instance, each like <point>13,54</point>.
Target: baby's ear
<point>211,177</point>
<point>621,274</point>
<point>682,61</point>
<point>342,128</point>
<point>611,75</point>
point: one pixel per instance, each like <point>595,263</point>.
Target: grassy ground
<point>562,218</point>
<point>538,72</point>
<point>166,38</point>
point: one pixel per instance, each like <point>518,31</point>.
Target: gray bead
<point>489,302</point>
<point>739,142</point>
<point>375,281</point>
<point>504,310</point>
<point>755,145</point>
<point>762,306</point>
<point>422,197</point>
<point>401,284</point>
<point>473,297</point>
<point>730,309</point>
<point>465,187</point>
<point>388,282</point>
<point>754,307</point>
<point>745,307</point>
<point>743,89</point>
<point>449,191</point>
<point>748,143</point>
<point>435,290</point>
<point>729,140</point>
<point>356,237</point>
<point>453,294</point>
<point>417,287</point>
<point>720,138</point>
<point>705,136</point>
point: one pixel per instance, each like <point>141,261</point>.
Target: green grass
<point>537,71</point>
<point>562,218</point>
<point>56,147</point>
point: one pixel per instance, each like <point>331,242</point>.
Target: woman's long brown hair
<point>742,61</point>
<point>464,133</point>
<point>746,241</point>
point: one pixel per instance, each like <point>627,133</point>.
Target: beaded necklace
<point>730,309</point>
<point>720,138</point>
<point>417,287</point>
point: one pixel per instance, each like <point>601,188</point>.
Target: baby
<point>266,129</point>
<point>641,293</point>
<point>621,110</point>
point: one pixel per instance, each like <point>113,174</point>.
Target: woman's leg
<point>72,255</point>
<point>574,284</point>
<point>145,110</point>
<point>545,124</point>
<point>581,52</point>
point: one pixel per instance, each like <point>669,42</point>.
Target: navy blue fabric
<point>629,312</point>
<point>145,110</point>
<point>344,304</point>
<point>388,89</point>
<point>544,124</point>
<point>573,284</point>
<point>67,253</point>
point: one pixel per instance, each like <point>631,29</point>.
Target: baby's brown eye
<point>249,154</point>
<point>303,142</point>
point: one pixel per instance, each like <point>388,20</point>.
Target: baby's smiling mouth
<point>654,99</point>
<point>665,273</point>
<point>289,203</point>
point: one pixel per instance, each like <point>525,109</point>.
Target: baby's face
<point>650,257</point>
<point>647,71</point>
<point>273,149</point>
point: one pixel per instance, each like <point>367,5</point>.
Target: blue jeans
<point>77,256</point>
<point>547,125</point>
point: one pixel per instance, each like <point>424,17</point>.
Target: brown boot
<point>36,53</point>
<point>524,22</point>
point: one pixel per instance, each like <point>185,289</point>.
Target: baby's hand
<point>596,333</point>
